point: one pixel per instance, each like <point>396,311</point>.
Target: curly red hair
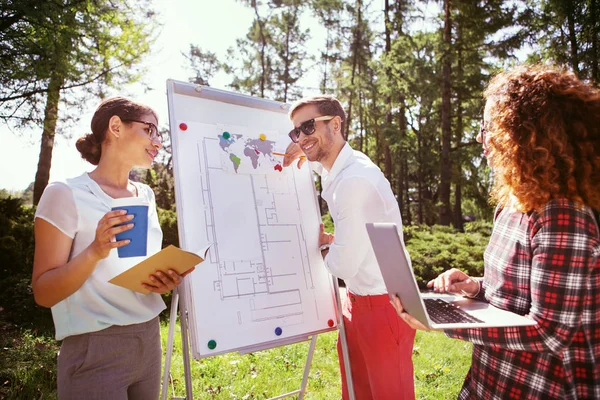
<point>544,137</point>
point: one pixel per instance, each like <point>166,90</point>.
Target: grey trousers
<point>117,363</point>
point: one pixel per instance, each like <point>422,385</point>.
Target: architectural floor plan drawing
<point>264,279</point>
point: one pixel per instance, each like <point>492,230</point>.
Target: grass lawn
<point>440,367</point>
<point>28,368</point>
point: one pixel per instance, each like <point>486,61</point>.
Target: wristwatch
<point>324,247</point>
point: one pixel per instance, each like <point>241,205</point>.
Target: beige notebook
<point>170,257</point>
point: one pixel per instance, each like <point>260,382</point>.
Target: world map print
<point>246,155</point>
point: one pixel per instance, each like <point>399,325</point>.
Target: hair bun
<point>89,148</point>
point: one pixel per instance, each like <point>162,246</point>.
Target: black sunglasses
<point>307,127</point>
<point>152,129</point>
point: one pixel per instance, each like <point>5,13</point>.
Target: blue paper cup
<point>138,235</point>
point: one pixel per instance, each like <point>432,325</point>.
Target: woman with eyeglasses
<point>110,335</point>
<point>541,137</point>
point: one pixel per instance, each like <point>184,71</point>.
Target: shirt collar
<point>94,188</point>
<point>338,165</point>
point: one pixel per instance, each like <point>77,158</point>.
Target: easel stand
<point>186,352</point>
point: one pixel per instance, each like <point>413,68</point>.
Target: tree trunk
<point>573,39</point>
<point>287,61</point>
<point>322,203</point>
<point>361,127</point>
<point>325,63</point>
<point>420,172</point>
<point>388,98</point>
<point>594,38</point>
<point>42,175</point>
<point>446,165</point>
<point>457,161</point>
<point>403,191</point>
<point>354,48</point>
<point>403,180</point>
<point>263,46</point>
<point>408,213</point>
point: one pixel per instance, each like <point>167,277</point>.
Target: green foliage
<point>203,63</point>
<point>6,193</point>
<point>16,264</point>
<point>16,236</point>
<point>480,227</point>
<point>436,249</point>
<point>159,178</point>
<point>271,58</point>
<point>28,364</point>
<point>564,32</point>
<point>57,46</point>
<point>328,223</point>
<point>76,43</point>
<point>168,224</point>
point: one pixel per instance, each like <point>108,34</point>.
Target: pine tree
<point>204,64</point>
<point>52,48</point>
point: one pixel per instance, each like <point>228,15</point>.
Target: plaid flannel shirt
<point>544,265</point>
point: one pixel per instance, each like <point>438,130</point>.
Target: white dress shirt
<point>75,207</point>
<point>357,192</point>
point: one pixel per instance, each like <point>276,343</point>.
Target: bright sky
<point>212,25</point>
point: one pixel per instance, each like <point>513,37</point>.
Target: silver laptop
<point>436,311</point>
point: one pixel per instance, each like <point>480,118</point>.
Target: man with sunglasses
<point>356,191</point>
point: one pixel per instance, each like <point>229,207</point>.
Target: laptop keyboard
<point>442,312</point>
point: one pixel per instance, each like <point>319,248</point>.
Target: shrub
<point>328,223</point>
<point>481,227</point>
<point>16,265</point>
<point>436,249</point>
<point>16,238</point>
<point>168,224</point>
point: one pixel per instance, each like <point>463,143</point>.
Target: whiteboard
<point>263,283</point>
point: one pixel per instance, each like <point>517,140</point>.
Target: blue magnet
<point>278,331</point>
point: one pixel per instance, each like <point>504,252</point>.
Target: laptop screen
<point>395,267</point>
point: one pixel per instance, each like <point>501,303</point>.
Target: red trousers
<point>380,347</point>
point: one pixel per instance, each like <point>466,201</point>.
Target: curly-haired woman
<point>541,137</point>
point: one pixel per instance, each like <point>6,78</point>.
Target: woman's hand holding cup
<point>112,223</point>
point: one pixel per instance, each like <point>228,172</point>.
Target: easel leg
<point>300,392</point>
<point>342,330</point>
<point>186,355</point>
<point>311,352</point>
<point>170,341</point>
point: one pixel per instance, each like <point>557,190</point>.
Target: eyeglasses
<point>152,130</point>
<point>483,131</point>
<point>308,127</point>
